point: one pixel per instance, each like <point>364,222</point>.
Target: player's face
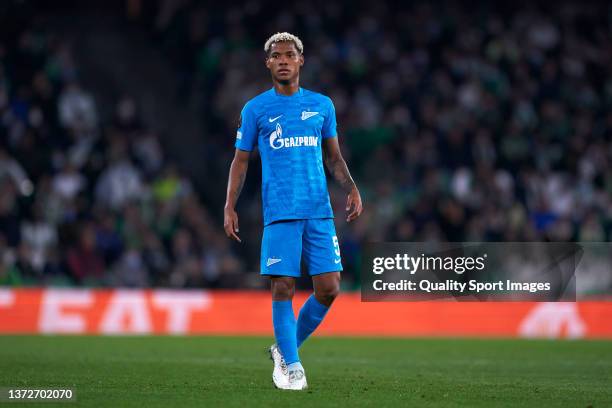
<point>284,61</point>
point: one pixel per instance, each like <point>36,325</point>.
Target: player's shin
<point>311,315</point>
<point>285,329</point>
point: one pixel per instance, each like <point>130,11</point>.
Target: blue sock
<point>283,320</point>
<point>311,315</point>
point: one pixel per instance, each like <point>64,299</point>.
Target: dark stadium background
<point>460,122</point>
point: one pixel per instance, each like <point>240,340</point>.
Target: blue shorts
<point>284,243</point>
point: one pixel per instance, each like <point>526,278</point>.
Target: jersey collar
<point>299,92</point>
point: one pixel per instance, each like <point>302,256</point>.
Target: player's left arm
<point>339,170</point>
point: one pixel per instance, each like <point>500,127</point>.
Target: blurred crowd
<point>486,122</point>
<point>483,122</point>
<point>87,201</point>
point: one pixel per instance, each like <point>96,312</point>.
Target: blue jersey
<point>288,131</point>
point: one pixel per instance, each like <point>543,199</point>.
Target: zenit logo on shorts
<point>288,130</point>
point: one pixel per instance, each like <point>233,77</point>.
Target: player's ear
<point>267,61</point>
<point>301,59</point>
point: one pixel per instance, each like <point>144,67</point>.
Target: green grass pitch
<point>236,371</point>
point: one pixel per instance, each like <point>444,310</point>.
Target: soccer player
<point>295,131</point>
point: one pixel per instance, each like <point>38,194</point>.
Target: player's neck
<point>287,89</point>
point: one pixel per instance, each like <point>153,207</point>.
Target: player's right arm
<point>246,139</point>
<point>237,175</point>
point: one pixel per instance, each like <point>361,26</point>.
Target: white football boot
<point>297,379</point>
<point>280,374</point>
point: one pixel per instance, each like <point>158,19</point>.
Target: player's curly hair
<point>281,37</point>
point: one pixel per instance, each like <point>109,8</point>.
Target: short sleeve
<point>329,124</point>
<point>246,136</point>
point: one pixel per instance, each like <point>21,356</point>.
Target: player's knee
<point>283,288</point>
<point>326,294</point>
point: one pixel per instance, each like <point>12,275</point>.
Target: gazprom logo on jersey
<point>277,140</point>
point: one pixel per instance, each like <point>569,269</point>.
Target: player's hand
<point>353,205</point>
<point>230,223</point>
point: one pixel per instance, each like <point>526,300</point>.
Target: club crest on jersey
<point>308,114</point>
<point>277,140</point>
